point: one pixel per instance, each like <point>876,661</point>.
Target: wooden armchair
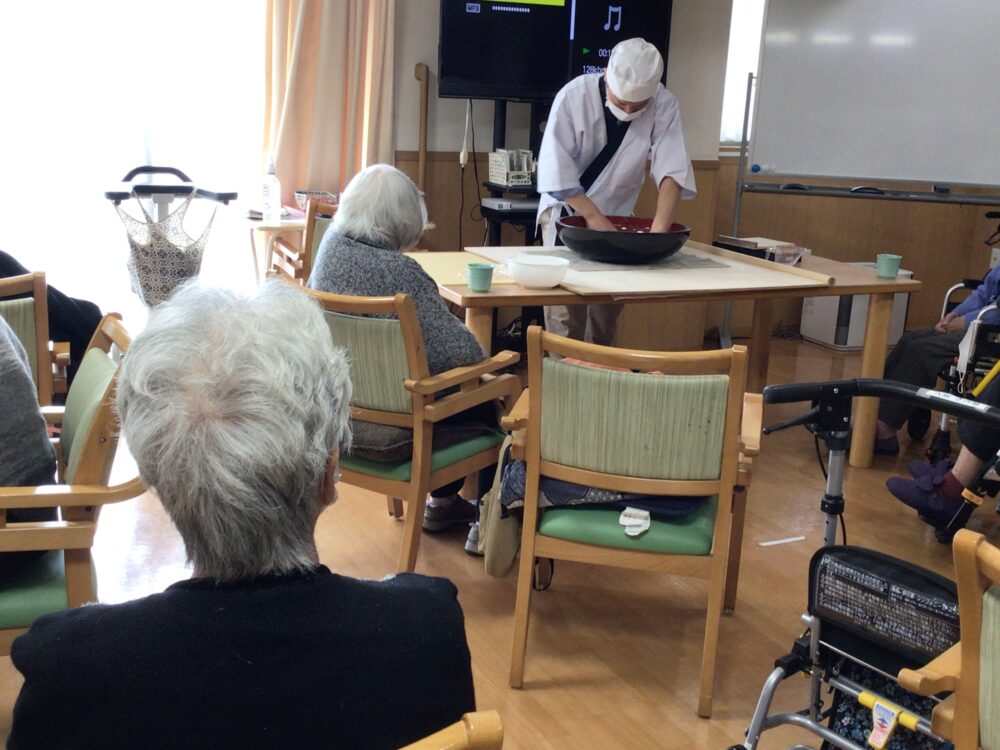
<point>28,317</point>
<point>293,262</point>
<point>480,730</point>
<point>678,433</point>
<point>970,669</point>
<point>63,577</point>
<point>393,386</point>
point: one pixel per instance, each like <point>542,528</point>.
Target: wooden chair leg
<point>412,526</point>
<point>735,548</point>
<point>79,570</point>
<point>711,646</point>
<point>395,506</point>
<point>522,606</point>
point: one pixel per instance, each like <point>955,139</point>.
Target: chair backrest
<point>89,436</point>
<point>671,418</point>
<point>383,352</point>
<point>295,262</point>
<point>319,217</point>
<point>24,305</point>
<point>480,730</point>
<point>977,569</point>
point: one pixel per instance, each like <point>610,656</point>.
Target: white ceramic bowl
<point>537,271</point>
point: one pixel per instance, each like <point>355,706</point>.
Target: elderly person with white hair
<point>235,410</point>
<point>381,215</point>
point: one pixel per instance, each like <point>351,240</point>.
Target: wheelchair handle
<point>890,389</point>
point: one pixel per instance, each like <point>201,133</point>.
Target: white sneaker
<point>472,541</point>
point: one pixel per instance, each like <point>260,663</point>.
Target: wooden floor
<point>613,655</point>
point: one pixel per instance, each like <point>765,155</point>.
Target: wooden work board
<point>737,272</point>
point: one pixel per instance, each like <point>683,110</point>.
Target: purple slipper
<point>923,495</point>
<point>919,469</point>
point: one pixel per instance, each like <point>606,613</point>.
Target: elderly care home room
<point>511,373</point>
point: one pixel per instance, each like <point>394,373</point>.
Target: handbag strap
<point>616,134</point>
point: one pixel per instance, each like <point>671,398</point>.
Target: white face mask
<point>620,114</point>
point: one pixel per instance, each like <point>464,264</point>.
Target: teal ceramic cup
<point>888,265</point>
<point>480,276</point>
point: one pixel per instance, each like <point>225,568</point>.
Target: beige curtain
<point>328,100</point>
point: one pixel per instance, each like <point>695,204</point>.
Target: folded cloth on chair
<point>554,492</point>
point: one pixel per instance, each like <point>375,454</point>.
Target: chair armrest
<point>61,359</point>
<point>53,414</point>
<point>938,676</point>
<point>504,386</point>
<point>750,430</point>
<point>517,418</point>
<point>458,375</point>
<point>67,495</point>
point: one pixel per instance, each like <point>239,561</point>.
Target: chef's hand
<point>950,323</point>
<point>660,225</point>
<point>600,221</point>
<point>590,212</point>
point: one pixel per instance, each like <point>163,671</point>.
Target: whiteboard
<point>882,89</point>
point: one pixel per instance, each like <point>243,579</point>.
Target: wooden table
<point>847,279</point>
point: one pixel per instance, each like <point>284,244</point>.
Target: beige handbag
<point>499,538</point>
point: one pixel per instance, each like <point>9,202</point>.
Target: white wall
<point>699,37</point>
<point>696,72</point>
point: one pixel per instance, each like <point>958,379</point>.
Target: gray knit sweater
<point>26,456</point>
<point>346,266</point>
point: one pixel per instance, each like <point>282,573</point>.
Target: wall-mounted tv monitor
<point>525,50</point>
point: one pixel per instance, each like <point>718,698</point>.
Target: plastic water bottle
<point>271,194</point>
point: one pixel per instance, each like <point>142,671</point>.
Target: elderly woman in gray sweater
<point>381,215</point>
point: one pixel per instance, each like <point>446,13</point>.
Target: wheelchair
<point>967,377</point>
<point>868,615</point>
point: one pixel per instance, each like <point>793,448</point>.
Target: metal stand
<point>725,338</point>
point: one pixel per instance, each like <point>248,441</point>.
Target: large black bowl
<point>632,244</point>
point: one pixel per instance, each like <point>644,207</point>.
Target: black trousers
<point>983,441</point>
<point>72,320</point>
<point>917,359</point>
<point>486,414</point>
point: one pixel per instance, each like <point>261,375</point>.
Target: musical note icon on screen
<point>613,9</point>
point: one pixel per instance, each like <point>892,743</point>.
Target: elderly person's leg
<point>445,507</point>
<point>567,320</point>
<point>602,323</point>
<point>916,359</point>
<point>936,493</point>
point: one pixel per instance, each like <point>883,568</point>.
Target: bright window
<point>91,90</point>
<point>744,48</point>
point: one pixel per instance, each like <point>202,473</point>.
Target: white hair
<point>232,407</point>
<point>382,206</point>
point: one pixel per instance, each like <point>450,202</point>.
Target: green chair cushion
<point>82,403</point>
<point>34,589</point>
<point>400,470</point>
<point>20,316</point>
<point>691,535</point>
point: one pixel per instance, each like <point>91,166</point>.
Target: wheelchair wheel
<point>918,423</point>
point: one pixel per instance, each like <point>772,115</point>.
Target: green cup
<point>888,265</point>
<point>480,276</point>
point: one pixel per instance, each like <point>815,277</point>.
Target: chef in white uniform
<point>645,123</point>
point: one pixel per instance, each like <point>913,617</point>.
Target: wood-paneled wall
<point>940,243</point>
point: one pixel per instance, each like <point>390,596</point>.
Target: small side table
<point>271,230</point>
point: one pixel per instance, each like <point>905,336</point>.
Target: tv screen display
<point>526,50</point>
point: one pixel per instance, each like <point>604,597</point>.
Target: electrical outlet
<point>995,257</point>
